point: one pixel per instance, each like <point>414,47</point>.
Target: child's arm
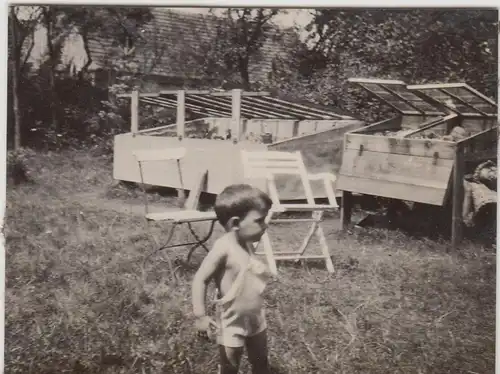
<point>214,259</point>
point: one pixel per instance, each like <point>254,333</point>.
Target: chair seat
<point>181,216</point>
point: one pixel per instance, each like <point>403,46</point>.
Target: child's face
<point>252,227</point>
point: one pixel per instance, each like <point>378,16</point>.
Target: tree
<point>443,45</point>
<point>235,40</point>
<point>22,24</point>
<point>61,21</point>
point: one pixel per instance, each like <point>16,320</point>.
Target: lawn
<point>80,298</point>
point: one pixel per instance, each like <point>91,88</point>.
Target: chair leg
<point>201,242</point>
<point>159,248</point>
<point>324,248</point>
<point>307,240</point>
<point>268,250</point>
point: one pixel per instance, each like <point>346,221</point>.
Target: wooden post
<point>236,115</point>
<point>346,211</point>
<point>180,120</point>
<point>181,113</point>
<point>458,197</point>
<point>134,112</point>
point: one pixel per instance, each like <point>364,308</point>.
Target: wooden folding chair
<point>259,165</point>
<point>188,213</point>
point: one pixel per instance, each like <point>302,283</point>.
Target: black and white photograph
<point>280,190</point>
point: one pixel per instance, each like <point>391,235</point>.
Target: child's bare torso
<point>237,260</point>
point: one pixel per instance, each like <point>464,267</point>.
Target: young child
<point>240,279</point>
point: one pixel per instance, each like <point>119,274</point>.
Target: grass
<point>81,299</point>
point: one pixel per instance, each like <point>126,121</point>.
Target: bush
<point>17,169</point>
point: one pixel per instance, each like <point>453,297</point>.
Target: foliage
<point>443,45</point>
<point>73,100</point>
<point>17,166</point>
<point>234,41</point>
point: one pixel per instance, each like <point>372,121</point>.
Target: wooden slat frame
<point>258,105</point>
<point>265,112</point>
<point>217,112</point>
<point>400,111</point>
<point>244,107</point>
<point>173,104</point>
<point>384,83</point>
<point>266,164</point>
<point>417,89</point>
<point>394,93</point>
<point>298,107</point>
<point>463,102</point>
<point>258,102</point>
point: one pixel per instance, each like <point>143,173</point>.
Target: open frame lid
<point>253,105</point>
<point>459,98</point>
<point>395,94</point>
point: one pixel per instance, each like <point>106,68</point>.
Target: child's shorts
<point>233,331</point>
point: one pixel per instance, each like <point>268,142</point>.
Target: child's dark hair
<point>238,200</point>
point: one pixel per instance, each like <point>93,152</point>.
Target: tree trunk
<point>245,77</point>
<point>52,67</point>
<point>16,71</point>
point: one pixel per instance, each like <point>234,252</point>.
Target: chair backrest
<point>268,164</point>
<point>167,154</point>
<point>193,200</point>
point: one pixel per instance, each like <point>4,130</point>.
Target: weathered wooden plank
<point>377,187</point>
<point>435,85</point>
<point>376,81</point>
<point>396,168</point>
<point>400,146</point>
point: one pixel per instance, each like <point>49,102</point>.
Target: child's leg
<point>257,353</point>
<point>230,359</point>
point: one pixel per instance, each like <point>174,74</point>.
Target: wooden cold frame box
<point>398,158</point>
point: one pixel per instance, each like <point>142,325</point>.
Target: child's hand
<point>206,327</point>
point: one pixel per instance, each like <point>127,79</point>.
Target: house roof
<point>171,34</point>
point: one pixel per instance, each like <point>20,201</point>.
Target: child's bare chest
<point>232,269</point>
